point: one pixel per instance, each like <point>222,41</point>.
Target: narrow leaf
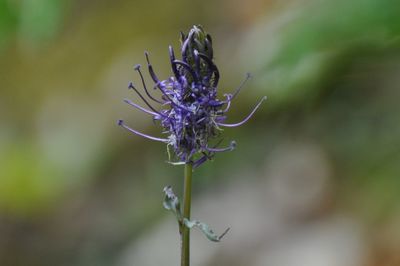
<point>171,203</point>
<point>207,231</point>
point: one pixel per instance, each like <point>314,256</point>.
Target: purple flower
<point>189,111</point>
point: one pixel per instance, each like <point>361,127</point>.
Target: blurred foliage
<point>334,66</point>
<point>33,21</point>
<point>321,38</point>
<point>8,22</point>
<point>27,182</point>
<point>41,19</point>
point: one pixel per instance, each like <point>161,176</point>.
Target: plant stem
<point>185,232</point>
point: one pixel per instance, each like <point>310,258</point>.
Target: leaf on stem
<point>207,231</point>
<point>171,203</point>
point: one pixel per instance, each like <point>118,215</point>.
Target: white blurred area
<point>280,217</point>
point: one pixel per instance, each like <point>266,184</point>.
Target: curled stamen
<point>151,71</point>
<point>231,146</point>
<point>121,123</point>
<point>228,102</point>
<point>197,61</point>
<point>200,161</point>
<point>172,59</point>
<point>248,76</point>
<point>220,118</point>
<point>140,108</point>
<point>182,35</point>
<point>215,103</point>
<point>246,119</point>
<point>212,66</point>
<point>185,45</point>
<point>130,86</point>
<point>208,43</point>
<point>206,156</point>
<point>137,68</point>
<point>188,68</point>
<point>171,101</point>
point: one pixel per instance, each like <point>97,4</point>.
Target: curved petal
<point>121,123</point>
<point>137,68</point>
<point>131,86</point>
<point>231,146</point>
<point>246,119</point>
<point>140,107</point>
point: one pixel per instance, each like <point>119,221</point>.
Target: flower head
<point>189,111</point>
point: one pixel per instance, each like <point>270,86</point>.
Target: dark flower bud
<point>197,46</point>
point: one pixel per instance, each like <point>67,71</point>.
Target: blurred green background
<point>314,180</point>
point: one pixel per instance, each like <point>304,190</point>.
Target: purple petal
<point>215,103</point>
<point>220,118</point>
<point>200,161</point>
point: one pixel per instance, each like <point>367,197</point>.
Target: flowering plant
<point>192,117</point>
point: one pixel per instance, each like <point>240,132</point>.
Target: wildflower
<point>189,111</point>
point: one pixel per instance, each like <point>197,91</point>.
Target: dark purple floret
<point>189,110</point>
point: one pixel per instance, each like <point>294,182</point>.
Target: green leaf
<point>171,203</point>
<point>207,231</point>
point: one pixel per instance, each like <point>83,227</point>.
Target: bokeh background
<point>315,177</point>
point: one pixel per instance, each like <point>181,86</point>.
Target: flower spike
<point>190,114</point>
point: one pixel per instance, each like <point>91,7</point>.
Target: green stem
<point>185,232</point>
